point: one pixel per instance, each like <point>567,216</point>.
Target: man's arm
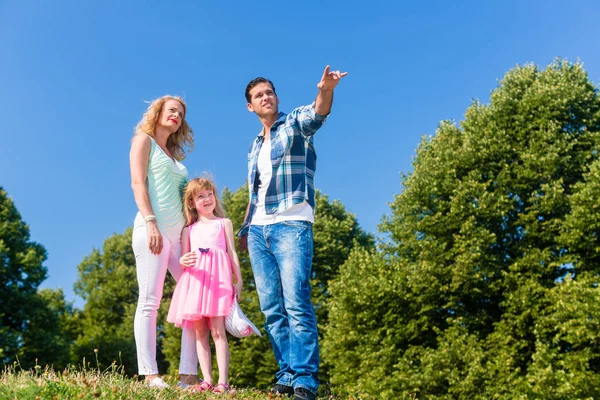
<point>328,82</point>
<point>243,240</point>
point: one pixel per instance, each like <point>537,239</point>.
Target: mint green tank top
<point>167,178</point>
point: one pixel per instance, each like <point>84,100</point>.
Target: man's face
<point>263,100</point>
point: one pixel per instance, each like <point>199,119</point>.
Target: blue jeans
<point>281,258</point>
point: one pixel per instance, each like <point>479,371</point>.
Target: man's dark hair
<point>255,82</point>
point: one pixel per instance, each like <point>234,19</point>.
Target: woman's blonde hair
<point>179,139</point>
<point>191,191</point>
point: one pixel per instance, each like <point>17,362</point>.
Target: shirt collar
<point>280,120</point>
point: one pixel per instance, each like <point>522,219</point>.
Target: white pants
<point>151,271</point>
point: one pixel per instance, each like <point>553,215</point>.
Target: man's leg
<point>268,286</point>
<point>292,245</point>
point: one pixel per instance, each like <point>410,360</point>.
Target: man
<point>278,228</point>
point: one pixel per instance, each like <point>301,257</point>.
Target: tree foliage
<point>107,281</point>
<point>51,332</point>
<point>486,284</point>
<point>21,272</point>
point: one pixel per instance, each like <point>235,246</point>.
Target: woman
<point>158,180</point>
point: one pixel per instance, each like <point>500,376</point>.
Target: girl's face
<point>171,115</point>
<point>204,201</point>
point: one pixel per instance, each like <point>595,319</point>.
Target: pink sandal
<point>202,387</point>
<point>221,388</point>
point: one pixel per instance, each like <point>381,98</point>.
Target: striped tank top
<point>167,178</point>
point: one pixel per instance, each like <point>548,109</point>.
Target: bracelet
<point>150,217</point>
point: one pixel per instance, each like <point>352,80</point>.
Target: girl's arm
<point>235,262</point>
<point>138,162</point>
<point>188,259</point>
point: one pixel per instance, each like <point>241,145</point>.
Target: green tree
<point>336,233</point>
<point>581,230</point>
<point>51,331</point>
<point>480,289</point>
<point>21,272</point>
<point>107,281</point>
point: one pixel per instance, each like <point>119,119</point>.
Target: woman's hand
<point>238,290</point>
<point>188,259</point>
<point>155,239</point>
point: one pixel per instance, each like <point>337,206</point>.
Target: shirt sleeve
<point>307,119</point>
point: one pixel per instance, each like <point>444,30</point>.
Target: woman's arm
<point>138,162</point>
<point>235,262</point>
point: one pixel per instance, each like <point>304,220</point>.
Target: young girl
<point>204,293</point>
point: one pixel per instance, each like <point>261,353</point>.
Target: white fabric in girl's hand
<point>238,324</point>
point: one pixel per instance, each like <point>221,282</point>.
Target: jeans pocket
<point>303,234</point>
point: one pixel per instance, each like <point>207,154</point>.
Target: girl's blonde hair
<point>179,139</point>
<point>191,191</point>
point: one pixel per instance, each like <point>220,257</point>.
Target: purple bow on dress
<point>203,250</point>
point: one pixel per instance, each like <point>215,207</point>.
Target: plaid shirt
<point>294,163</point>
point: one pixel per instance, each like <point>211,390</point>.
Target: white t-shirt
<point>299,212</point>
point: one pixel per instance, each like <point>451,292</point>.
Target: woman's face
<point>171,115</point>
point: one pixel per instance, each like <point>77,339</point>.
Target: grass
<point>77,383</point>
<point>86,382</point>
<point>92,383</point>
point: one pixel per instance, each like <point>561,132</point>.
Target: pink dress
<point>206,290</point>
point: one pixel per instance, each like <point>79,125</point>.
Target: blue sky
<point>75,76</point>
